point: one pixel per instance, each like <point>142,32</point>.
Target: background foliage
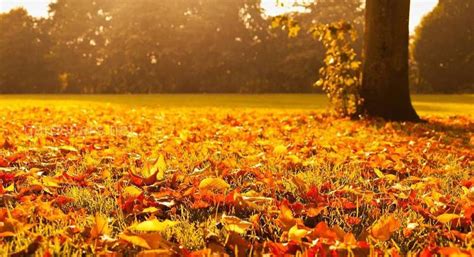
<point>211,46</point>
<point>444,48</point>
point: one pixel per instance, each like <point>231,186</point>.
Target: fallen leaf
<point>155,253</point>
<point>135,240</point>
<point>454,252</point>
<point>159,168</point>
<point>447,217</point>
<point>379,173</point>
<point>153,225</point>
<point>100,227</point>
<point>131,192</point>
<point>280,150</point>
<point>213,184</point>
<point>297,234</point>
<point>384,228</point>
<point>286,217</point>
<point>235,224</point>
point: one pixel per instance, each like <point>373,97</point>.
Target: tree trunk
<point>385,80</point>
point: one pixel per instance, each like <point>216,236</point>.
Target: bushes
<point>341,73</point>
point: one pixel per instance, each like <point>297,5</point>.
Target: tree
<point>443,47</point>
<point>147,46</point>
<point>145,39</point>
<point>78,28</point>
<point>385,83</point>
<point>25,66</point>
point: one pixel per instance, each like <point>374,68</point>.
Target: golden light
<point>278,7</point>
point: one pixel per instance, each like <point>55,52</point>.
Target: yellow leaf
<point>153,225</point>
<point>385,227</point>
<point>68,148</point>
<point>50,182</point>
<point>213,183</point>
<point>135,240</point>
<point>149,241</point>
<point>161,167</point>
<point>391,177</point>
<point>447,217</point>
<point>150,210</point>
<point>296,234</point>
<point>280,150</point>
<point>379,173</point>
<point>131,192</point>
<point>101,226</point>
<point>10,188</point>
<point>294,159</point>
<point>157,170</point>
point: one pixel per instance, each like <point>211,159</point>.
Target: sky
<point>39,8</point>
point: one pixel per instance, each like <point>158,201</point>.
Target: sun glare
<point>278,7</point>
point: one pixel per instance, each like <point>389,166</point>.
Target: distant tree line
<point>169,46</point>
<point>443,49</point>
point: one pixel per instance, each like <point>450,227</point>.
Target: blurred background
<point>209,46</point>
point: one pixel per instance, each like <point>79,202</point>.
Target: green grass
<point>425,104</point>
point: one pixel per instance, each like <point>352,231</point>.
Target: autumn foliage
<point>113,181</point>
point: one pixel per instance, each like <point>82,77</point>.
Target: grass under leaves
<point>177,175</point>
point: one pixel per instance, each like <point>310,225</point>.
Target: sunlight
<point>37,8</point>
<point>278,7</point>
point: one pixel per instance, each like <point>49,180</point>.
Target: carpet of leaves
<point>116,181</point>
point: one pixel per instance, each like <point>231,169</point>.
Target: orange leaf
<point>135,240</point>
<point>385,227</point>
<point>453,252</point>
<point>322,230</point>
<point>155,253</point>
<point>286,217</point>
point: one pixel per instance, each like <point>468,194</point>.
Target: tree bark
<point>385,82</point>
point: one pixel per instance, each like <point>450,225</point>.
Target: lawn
<point>190,175</point>
<point>425,104</point>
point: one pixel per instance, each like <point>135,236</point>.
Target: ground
<point>239,175</point>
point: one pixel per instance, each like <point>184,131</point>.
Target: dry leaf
<point>131,192</point>
<point>297,234</point>
<point>280,150</point>
<point>235,224</point>
<point>384,228</point>
<point>153,225</point>
<point>135,240</point>
<point>213,184</point>
<point>101,226</point>
<point>447,217</point>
